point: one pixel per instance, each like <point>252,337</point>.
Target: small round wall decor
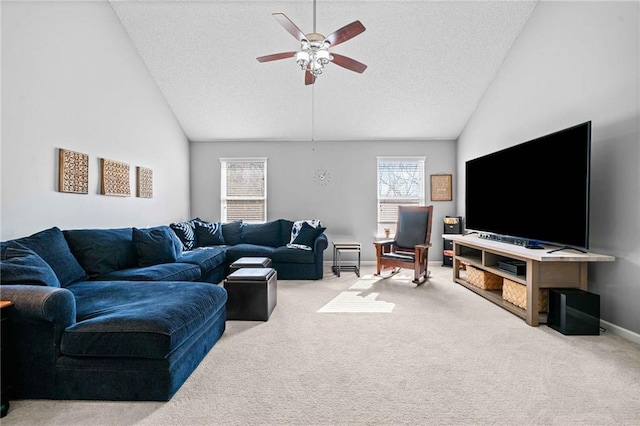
<point>322,177</point>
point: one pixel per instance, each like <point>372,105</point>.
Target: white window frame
<point>418,200</point>
<point>224,198</point>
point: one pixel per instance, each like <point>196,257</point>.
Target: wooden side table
<point>345,246</point>
<point>5,356</point>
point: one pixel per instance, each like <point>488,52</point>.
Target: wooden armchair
<point>410,246</point>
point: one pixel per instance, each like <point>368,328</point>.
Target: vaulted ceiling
<point>429,64</point>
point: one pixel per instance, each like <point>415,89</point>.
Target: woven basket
<point>517,294</point>
<point>483,279</point>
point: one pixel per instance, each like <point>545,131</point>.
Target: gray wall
<point>347,205</point>
<point>574,62</point>
<point>72,79</point>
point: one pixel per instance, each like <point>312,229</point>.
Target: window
<point>400,183</point>
<point>243,189</point>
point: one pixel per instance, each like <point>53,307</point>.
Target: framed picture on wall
<point>144,186</point>
<point>73,175</point>
<point>115,178</point>
<point>441,187</point>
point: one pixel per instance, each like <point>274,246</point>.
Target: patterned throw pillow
<point>307,236</point>
<point>208,233</point>
<point>186,233</point>
<point>297,226</point>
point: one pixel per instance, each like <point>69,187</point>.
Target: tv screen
<point>536,191</point>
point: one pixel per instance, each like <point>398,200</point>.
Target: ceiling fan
<point>314,47</point>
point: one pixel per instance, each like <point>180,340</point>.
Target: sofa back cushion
<point>20,265</point>
<point>262,234</point>
<point>232,232</point>
<point>285,232</point>
<point>51,246</point>
<point>100,251</point>
<point>156,245</point>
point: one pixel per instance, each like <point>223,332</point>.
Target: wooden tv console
<point>562,269</point>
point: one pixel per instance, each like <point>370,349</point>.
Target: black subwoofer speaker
<point>574,311</point>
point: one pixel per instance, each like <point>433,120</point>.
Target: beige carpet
<point>438,354</point>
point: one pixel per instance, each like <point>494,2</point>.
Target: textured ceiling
<point>429,64</point>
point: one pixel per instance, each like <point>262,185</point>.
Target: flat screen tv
<point>537,191</point>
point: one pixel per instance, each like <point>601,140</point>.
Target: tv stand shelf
<point>562,269</point>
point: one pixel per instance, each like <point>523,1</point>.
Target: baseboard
<point>619,331</point>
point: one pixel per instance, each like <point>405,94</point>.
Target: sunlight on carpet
<point>356,301</point>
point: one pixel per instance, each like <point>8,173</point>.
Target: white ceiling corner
<point>429,63</point>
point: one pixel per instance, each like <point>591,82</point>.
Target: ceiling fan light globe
<point>323,57</point>
<point>302,59</point>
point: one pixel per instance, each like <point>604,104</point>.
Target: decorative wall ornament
<point>73,175</point>
<point>115,178</point>
<point>144,187</point>
<point>441,187</point>
<point>322,177</point>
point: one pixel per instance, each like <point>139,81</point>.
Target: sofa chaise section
<point>112,340</point>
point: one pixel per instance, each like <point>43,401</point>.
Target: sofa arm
<point>34,304</point>
<point>38,318</point>
<point>321,243</point>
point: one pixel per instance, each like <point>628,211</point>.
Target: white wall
<point>574,62</point>
<point>347,205</point>
<point>72,79</point>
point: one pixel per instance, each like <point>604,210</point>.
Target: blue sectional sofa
<point>128,314</point>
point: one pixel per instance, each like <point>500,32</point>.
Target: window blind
<point>244,189</point>
<point>400,183</point>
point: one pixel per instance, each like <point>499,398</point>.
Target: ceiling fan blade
<point>309,78</point>
<point>289,26</point>
<point>345,33</point>
<point>348,63</point>
<point>276,56</point>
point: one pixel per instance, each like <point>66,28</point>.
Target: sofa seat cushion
<point>292,255</point>
<point>251,250</point>
<point>207,258</point>
<point>140,320</point>
<point>164,272</point>
<point>100,251</point>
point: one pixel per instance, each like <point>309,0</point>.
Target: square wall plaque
<point>115,178</point>
<point>73,175</point>
<point>144,188</point>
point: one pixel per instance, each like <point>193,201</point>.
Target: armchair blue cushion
<point>20,265</point>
